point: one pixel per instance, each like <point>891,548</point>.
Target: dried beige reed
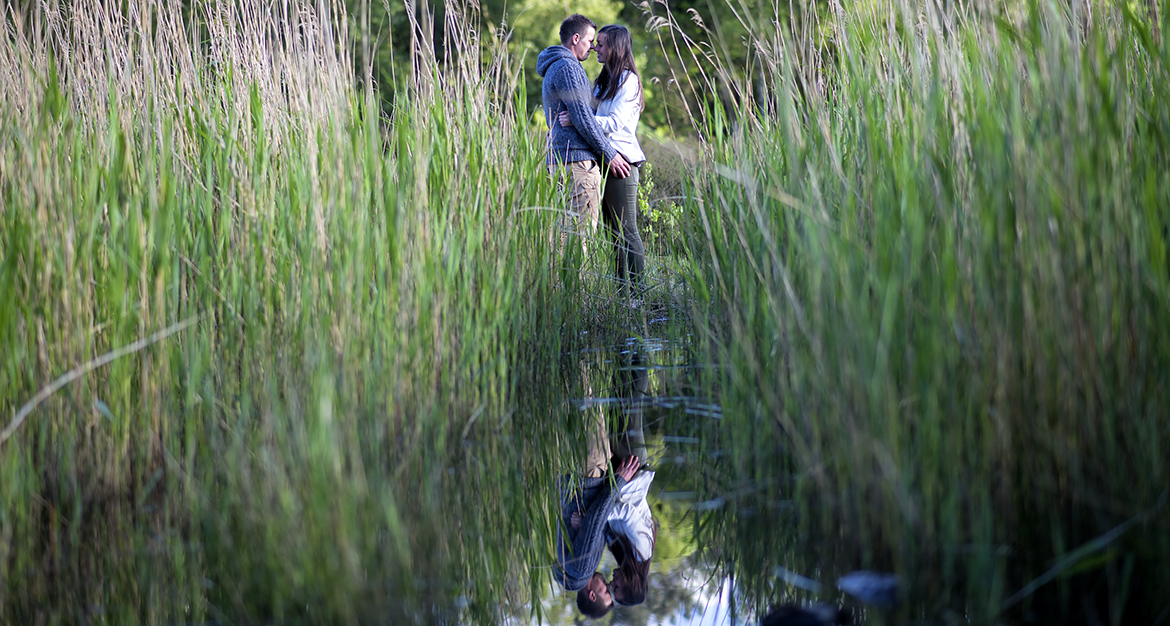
<point>145,60</point>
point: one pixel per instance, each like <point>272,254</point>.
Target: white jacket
<point>618,118</point>
<point>631,515</point>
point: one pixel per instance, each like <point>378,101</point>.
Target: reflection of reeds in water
<point>934,238</point>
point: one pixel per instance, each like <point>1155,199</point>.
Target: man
<point>581,148</point>
<point>584,512</point>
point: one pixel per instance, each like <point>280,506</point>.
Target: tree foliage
<point>676,43</point>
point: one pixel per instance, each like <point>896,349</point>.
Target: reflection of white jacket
<point>631,515</point>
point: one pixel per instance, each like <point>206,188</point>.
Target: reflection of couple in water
<point>609,509</point>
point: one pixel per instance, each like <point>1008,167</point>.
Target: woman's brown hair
<point>634,572</point>
<point>621,60</point>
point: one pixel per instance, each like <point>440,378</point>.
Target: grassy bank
<point>934,243</point>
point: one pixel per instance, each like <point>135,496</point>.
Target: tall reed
<point>351,429</point>
<point>932,241</point>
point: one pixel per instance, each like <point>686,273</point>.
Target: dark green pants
<point>619,209</point>
<point>632,386</point>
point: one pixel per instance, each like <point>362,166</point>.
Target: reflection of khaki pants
<point>597,459</point>
<point>583,186</point>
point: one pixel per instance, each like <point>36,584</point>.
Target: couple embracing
<point>604,504</point>
<point>591,127</point>
<point>606,510</point>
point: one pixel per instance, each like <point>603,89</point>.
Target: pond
<point>298,491</point>
<point>640,394</point>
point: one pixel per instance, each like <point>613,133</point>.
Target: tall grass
<point>932,239</point>
<point>351,430</point>
<point>929,244</point>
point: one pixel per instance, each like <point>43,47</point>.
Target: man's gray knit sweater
<point>578,558</point>
<point>566,88</point>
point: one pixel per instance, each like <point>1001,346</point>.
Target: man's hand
<point>618,166</point>
<point>575,520</point>
<point>565,119</point>
<point>628,468</point>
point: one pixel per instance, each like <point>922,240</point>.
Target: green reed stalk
<point>350,432</point>
<point>935,252</point>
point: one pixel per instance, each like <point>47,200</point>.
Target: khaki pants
<point>581,182</point>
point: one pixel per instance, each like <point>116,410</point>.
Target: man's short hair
<point>593,609</point>
<point>575,24</point>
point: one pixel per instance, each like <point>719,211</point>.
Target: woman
<point>630,534</point>
<point>618,91</point>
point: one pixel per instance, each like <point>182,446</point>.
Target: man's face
<point>602,50</point>
<point>582,44</point>
<point>598,590</point>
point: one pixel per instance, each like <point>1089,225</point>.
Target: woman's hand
<point>564,119</point>
<point>575,520</point>
<point>628,468</point>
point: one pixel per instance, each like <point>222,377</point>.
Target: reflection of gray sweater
<point>566,88</point>
<point>578,559</point>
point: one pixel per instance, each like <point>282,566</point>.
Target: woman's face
<point>617,583</point>
<point>602,49</point>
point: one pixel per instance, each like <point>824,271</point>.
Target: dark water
<point>736,543</point>
<point>648,390</point>
<point>738,533</point>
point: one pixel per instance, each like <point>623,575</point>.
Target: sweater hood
<point>550,56</point>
